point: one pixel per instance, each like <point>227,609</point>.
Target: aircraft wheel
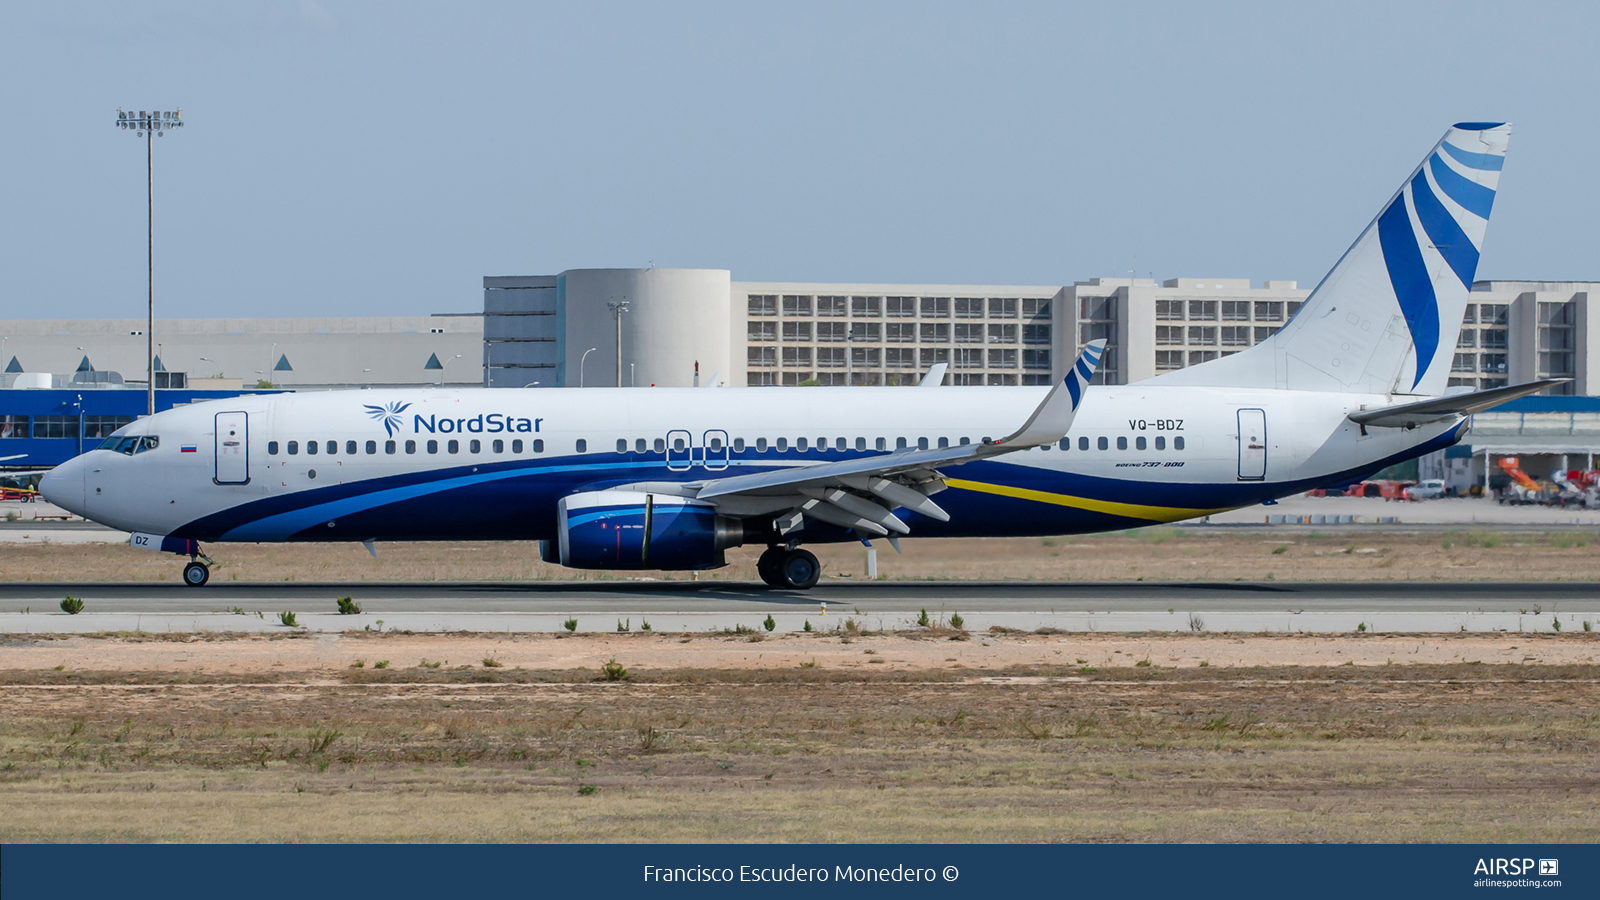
<point>767,566</point>
<point>196,574</point>
<point>800,570</point>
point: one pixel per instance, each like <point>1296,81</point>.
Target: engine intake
<point>637,530</point>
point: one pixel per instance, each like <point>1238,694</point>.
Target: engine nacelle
<point>637,530</point>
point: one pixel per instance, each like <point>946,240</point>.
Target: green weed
<point>72,605</point>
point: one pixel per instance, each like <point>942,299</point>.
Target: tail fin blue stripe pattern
<point>1483,162</point>
<point>1412,286</point>
<point>1085,371</point>
<point>1073,389</point>
<point>1473,197</point>
<point>1442,228</point>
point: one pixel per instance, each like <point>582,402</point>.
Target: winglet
<point>935,376</point>
<point>1050,421</point>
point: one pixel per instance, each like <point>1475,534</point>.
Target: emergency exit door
<point>232,448</point>
<point>1252,445</point>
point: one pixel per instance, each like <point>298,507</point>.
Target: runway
<point>714,605</point>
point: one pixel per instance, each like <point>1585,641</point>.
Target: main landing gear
<point>794,569</point>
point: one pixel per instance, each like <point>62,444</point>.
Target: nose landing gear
<point>196,573</point>
<point>796,569</point>
<point>198,570</point>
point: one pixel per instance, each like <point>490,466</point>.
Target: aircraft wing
<point>1410,415</point>
<point>862,493</point>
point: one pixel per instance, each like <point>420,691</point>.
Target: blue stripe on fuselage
<point>517,501</point>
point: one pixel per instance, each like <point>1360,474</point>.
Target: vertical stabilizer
<point>1386,318</point>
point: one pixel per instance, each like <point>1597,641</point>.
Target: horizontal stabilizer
<point>1410,415</point>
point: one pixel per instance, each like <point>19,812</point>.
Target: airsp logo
<point>1516,867</point>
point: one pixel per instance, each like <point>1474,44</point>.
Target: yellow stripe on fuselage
<point>1127,510</point>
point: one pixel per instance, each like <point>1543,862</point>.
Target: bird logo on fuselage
<point>389,414</point>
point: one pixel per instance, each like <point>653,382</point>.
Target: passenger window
<point>738,445</point>
<point>433,446</point>
<point>1083,443</point>
<point>840,444</point>
<point>943,443</point>
<point>516,447</point>
<point>677,445</point>
<point>882,444</point>
<point>372,447</point>
<point>966,441</point>
<point>822,445</point>
<point>474,446</point>
<point>639,445</point>
<point>312,447</point>
<point>350,448</point>
<point>1122,443</point>
<point>294,448</point>
<point>583,446</point>
<point>716,443</point>
<point>899,443</point>
<point>622,445</point>
<point>922,443</point>
<point>761,445</point>
<point>411,446</point>
<point>1066,443</point>
<point>499,446</point>
<point>333,448</point>
<point>538,445</point>
<point>800,444</point>
<point>388,447</point>
<point>1177,443</point>
<point>1161,443</point>
<point>660,445</point>
<point>1138,443</point>
<point>783,445</point>
<point>1103,444</point>
<point>272,448</point>
<point>453,446</point>
<point>861,444</point>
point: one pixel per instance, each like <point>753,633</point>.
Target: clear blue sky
<point>366,158</point>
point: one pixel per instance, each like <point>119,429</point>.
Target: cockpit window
<point>128,446</point>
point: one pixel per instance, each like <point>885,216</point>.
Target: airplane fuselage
<point>492,464</point>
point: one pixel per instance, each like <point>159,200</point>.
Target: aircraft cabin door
<point>232,448</point>
<point>1252,445</point>
<point>680,450</point>
<point>715,453</point>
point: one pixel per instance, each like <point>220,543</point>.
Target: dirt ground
<point>836,737</point>
<point>1152,554</point>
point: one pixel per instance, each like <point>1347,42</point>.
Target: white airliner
<point>654,478</point>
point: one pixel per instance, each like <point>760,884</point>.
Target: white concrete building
<point>303,354</point>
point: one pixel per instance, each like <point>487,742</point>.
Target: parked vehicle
<point>1430,489</point>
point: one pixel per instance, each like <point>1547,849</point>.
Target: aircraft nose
<point>64,486</point>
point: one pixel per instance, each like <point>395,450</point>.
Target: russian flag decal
<point>186,448</point>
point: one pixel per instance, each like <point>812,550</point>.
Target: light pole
<point>443,364</point>
<point>147,125</point>
<point>214,363</point>
<point>632,380</point>
<point>618,307</point>
<point>581,361</point>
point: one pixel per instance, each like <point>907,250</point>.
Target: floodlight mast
<point>148,125</point>
<point>618,307</point>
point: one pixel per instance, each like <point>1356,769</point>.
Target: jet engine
<point>620,529</point>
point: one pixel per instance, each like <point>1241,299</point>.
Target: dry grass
<point>1153,554</point>
<point>1439,753</point>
